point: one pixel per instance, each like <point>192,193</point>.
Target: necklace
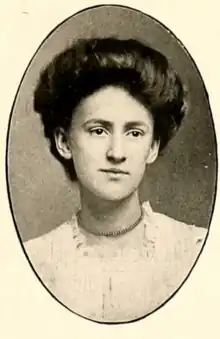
<point>112,233</point>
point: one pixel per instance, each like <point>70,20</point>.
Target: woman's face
<point>110,141</point>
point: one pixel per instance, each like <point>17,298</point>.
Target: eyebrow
<point>108,124</point>
<point>102,122</point>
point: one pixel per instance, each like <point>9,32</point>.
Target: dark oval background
<point>181,183</point>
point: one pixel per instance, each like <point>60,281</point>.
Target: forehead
<point>112,104</point>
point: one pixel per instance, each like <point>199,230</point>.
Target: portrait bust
<point>110,106</point>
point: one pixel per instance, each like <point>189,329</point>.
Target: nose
<point>115,152</point>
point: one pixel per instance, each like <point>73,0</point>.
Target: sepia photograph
<point>112,164</point>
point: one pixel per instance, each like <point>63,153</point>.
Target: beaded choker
<point>112,233</point>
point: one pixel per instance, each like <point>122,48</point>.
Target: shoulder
<point>179,228</point>
<point>177,246</point>
<point>177,236</point>
<point>171,225</point>
<point>40,250</point>
<point>189,234</point>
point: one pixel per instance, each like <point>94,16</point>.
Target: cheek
<point>89,150</point>
<point>86,159</point>
<point>139,152</point>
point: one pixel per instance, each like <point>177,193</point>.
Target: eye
<point>136,133</point>
<point>97,131</point>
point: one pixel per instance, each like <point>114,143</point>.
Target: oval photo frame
<point>181,184</point>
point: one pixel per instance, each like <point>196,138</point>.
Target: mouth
<point>114,171</point>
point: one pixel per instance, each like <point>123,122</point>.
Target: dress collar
<point>149,235</point>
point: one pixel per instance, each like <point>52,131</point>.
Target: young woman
<point>108,108</point>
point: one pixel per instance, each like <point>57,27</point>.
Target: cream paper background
<point>26,308</point>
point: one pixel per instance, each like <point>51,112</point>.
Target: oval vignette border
<point>215,148</point>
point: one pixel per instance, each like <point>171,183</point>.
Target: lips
<point>114,170</point>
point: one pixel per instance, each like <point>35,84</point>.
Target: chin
<point>114,195</point>
<point>109,191</point>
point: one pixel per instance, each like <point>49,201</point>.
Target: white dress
<point>109,279</point>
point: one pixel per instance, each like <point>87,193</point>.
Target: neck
<point>99,216</point>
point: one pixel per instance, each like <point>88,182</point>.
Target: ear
<point>153,153</point>
<point>62,145</point>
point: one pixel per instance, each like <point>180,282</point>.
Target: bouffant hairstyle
<point>88,65</point>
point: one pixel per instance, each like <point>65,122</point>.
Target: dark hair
<point>89,65</point>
